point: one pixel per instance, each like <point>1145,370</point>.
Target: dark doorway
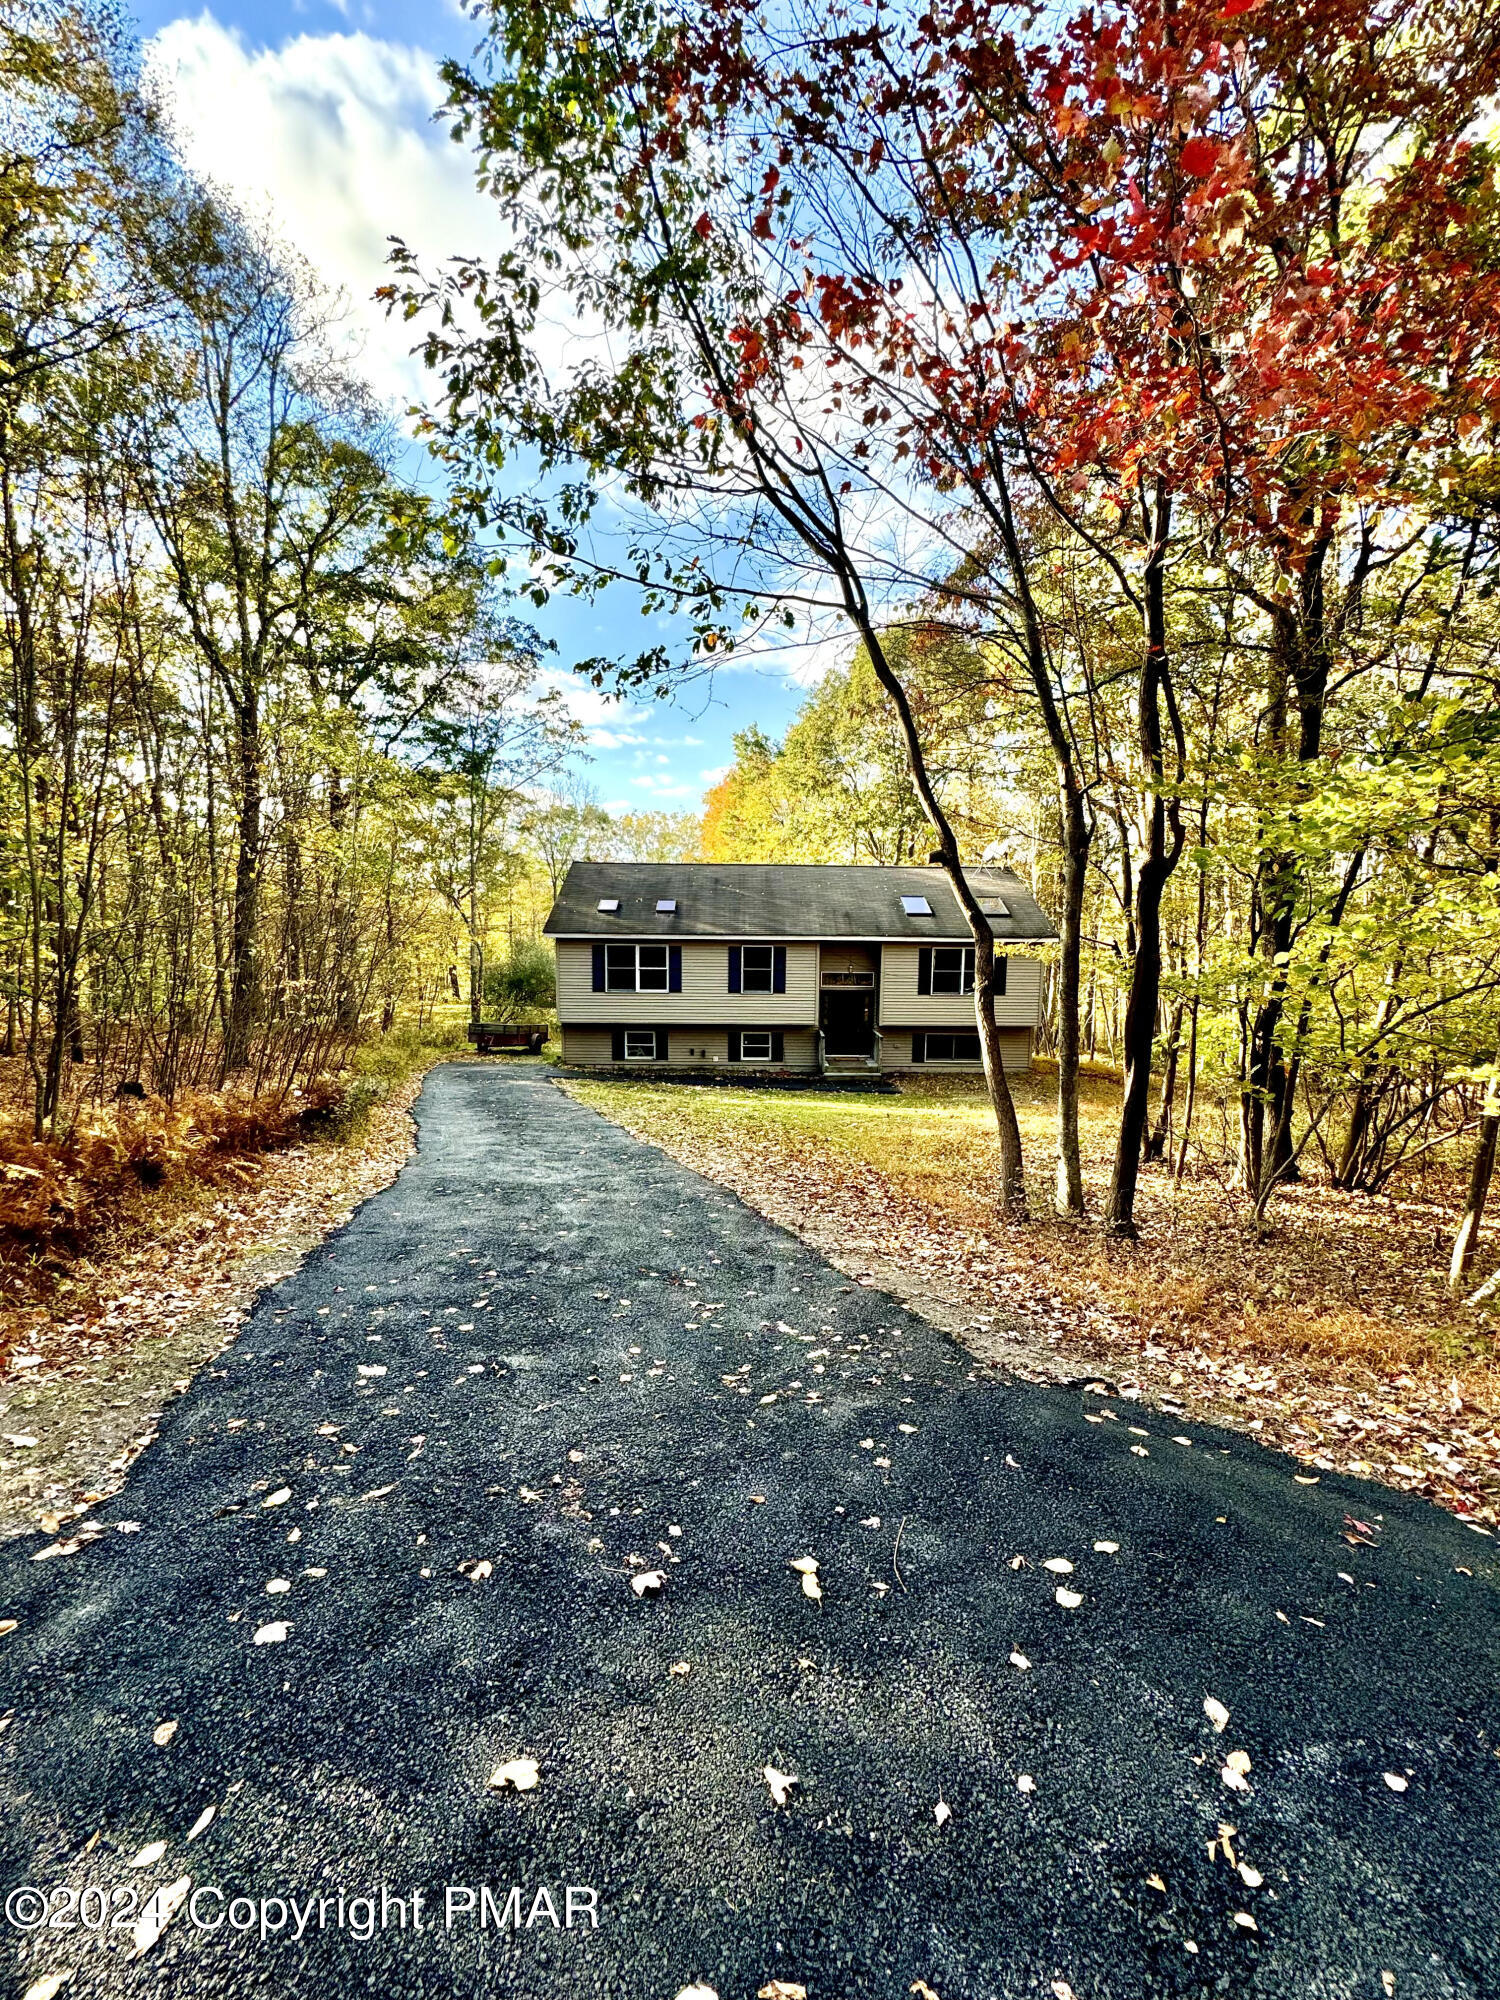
<point>848,1023</point>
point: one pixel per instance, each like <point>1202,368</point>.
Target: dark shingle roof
<point>776,900</point>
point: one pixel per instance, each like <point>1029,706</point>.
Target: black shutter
<point>924,971</point>
<point>598,968</point>
<point>734,1044</point>
<point>734,968</point>
<point>919,1048</point>
<point>778,968</point>
<point>674,968</point>
<point>999,975</point>
<point>617,1036</point>
<point>661,1044</point>
<point>778,1046</point>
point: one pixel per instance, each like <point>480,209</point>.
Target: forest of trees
<point>273,755</point>
<point>1125,392</point>
<point>1127,388</point>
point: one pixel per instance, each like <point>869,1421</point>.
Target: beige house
<point>701,965</point>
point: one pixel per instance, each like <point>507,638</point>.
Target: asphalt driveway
<point>548,1363</point>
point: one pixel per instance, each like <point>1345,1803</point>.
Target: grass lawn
<point>1342,1305</point>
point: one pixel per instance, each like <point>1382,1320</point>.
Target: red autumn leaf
<point>1200,157</point>
<point>703,227</point>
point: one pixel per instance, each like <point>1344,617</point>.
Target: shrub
<point>525,983</point>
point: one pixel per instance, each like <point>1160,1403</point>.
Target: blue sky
<point>317,118</point>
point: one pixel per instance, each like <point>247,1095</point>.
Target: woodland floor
<point>1334,1337</point>
<point>86,1373</point>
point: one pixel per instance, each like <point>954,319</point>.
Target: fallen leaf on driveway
<point>1235,1771</point>
<point>648,1579</point>
<point>1061,1990</point>
<point>372,1368</point>
<point>1020,1660</point>
<point>680,1669</point>
<point>1394,1779</point>
<point>52,1983</point>
<point>158,1913</point>
<point>872,1522</point>
<point>271,1635</point>
<point>522,1772</point>
<point>1068,1599</point>
<point>782,1989</point>
<point>699,1992</point>
<point>378,1492</point>
<point>1140,1451</point>
<point>1106,1548</point>
<point>56,1549</point>
<point>1025,1783</point>
<point>8,1625</point>
<point>1059,1565</point>
<point>942,1812</point>
<point>149,1855</point>
<point>1245,1921</point>
<point>922,1990</point>
<point>279,1498</point>
<point>1251,1877</point>
<point>278,1586</point>
<point>780,1782</point>
<point>1217,1713</point>
<point>202,1823</point>
<point>163,1733</point>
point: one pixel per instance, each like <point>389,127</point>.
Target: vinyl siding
<point>705,997</point>
<point>691,1046</point>
<point>902,1005</point>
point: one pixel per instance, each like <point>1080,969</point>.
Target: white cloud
<point>330,139</point>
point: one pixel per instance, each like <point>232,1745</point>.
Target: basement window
<point>609,903</point>
<point>916,906</point>
<point>640,1045</point>
<point>755,1047</point>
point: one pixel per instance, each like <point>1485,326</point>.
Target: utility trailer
<point>520,1037</point>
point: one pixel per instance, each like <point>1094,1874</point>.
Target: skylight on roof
<point>609,902</point>
<point>993,907</point>
<point>916,906</point>
<point>666,905</point>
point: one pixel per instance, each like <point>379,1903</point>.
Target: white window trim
<point>665,968</point>
<point>748,1035</point>
<point>768,971</point>
<point>965,970</point>
<point>640,1035</point>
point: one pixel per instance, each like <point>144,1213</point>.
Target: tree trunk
<point>1162,846</point>
<point>242,961</point>
<point>1076,840</point>
<point>1139,1038</point>
<point>1156,1139</point>
<point>1480,1176</point>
